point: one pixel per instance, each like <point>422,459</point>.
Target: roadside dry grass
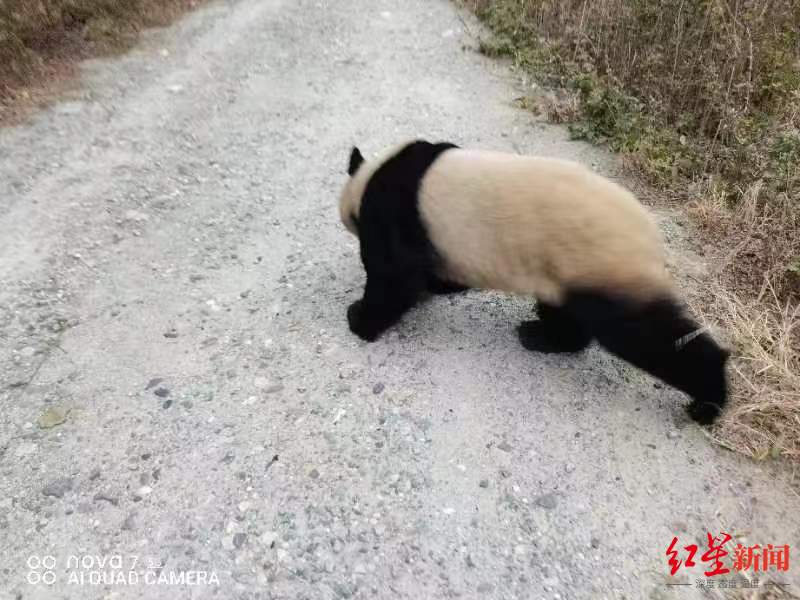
<point>702,99</point>
<point>41,42</point>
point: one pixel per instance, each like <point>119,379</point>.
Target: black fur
<point>397,255</point>
<point>645,335</point>
<point>442,287</point>
<point>355,161</point>
<point>555,331</point>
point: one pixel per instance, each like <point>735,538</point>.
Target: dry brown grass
<point>41,40</point>
<point>764,420</point>
<point>702,97</point>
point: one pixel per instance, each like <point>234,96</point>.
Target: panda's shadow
<point>483,327</point>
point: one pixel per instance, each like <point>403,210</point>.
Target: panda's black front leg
<point>439,286</point>
<point>386,299</point>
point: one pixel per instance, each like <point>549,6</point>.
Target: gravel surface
<point>180,395</point>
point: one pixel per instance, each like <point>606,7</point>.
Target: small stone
<point>106,498</point>
<point>547,501</point>
<point>153,382</point>
<point>239,539</point>
<point>449,510</point>
<point>275,387</point>
<point>59,487</point>
<point>378,388</point>
<point>171,334</point>
<point>672,434</point>
<point>166,404</point>
<point>261,382</point>
<point>94,474</point>
<point>144,490</point>
<point>594,543</point>
<point>52,417</point>
<point>129,524</point>
<point>470,562</point>
<point>679,526</point>
<point>161,392</point>
<point>504,446</point>
<point>484,483</point>
<point>314,474</point>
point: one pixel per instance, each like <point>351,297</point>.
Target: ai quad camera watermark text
<point>112,569</point>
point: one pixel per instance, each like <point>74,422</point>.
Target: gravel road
<point>180,397</point>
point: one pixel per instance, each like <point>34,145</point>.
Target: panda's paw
<point>704,413</point>
<point>358,324</point>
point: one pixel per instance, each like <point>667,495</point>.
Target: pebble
<point>378,388</point>
<point>153,382</point>
<point>52,417</point>
<point>505,447</point>
<point>166,404</point>
<point>672,434</point>
<point>106,498</point>
<point>547,501</point>
<point>59,487</point>
<point>314,474</point>
<point>161,392</point>
<point>268,538</point>
<point>144,490</point>
<point>239,539</point>
<point>484,483</point>
<point>129,524</point>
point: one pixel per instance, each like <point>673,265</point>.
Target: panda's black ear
<point>355,161</point>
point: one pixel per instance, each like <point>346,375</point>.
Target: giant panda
<point>434,217</point>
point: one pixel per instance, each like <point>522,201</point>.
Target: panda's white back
<point>538,226</point>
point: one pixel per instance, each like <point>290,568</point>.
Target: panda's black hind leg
<point>556,331</point>
<point>658,337</point>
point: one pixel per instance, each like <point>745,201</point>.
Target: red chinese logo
<point>745,558</point>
